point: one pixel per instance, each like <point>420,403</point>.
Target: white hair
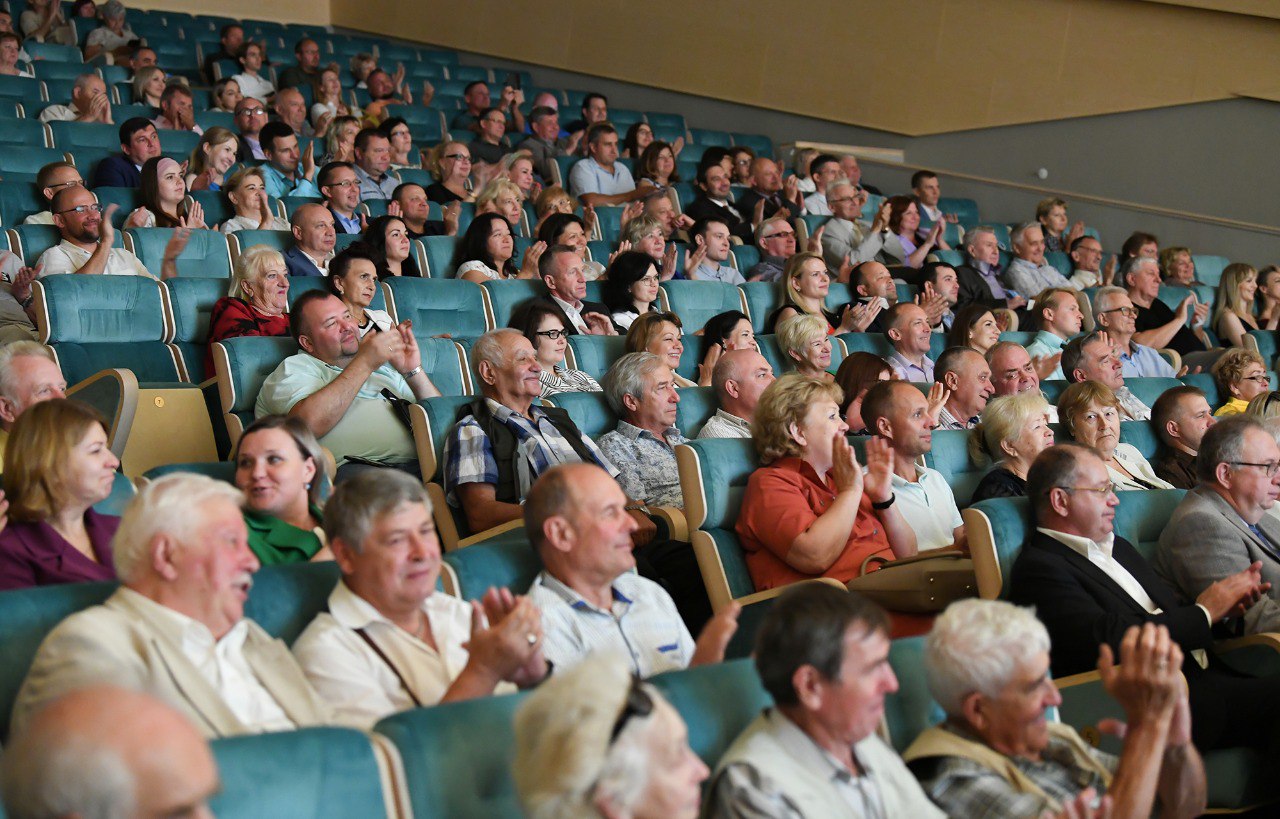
<point>564,760</point>
<point>165,506</point>
<point>977,646</point>
<point>1015,238</point>
<point>18,349</point>
<point>489,348</point>
<point>252,266</point>
<point>629,375</point>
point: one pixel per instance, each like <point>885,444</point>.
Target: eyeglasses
<point>253,111</point>
<point>75,183</point>
<point>1100,491</point>
<point>637,704</point>
<point>1124,311</point>
<point>346,183</point>
<point>1260,379</point>
<point>780,234</point>
<point>842,200</point>
<point>554,335</point>
<point>94,208</point>
<point>1269,468</point>
<point>648,280</point>
<point>458,157</point>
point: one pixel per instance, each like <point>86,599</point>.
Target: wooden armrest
<point>1077,679</point>
<point>492,531</point>
<point>1011,316</point>
<point>1268,639</point>
<point>769,594</point>
<point>1173,357</point>
<point>677,527</point>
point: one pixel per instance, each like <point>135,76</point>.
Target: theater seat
<point>439,251</point>
<point>697,405</point>
<point>29,241</point>
<point>1149,389</point>
<point>242,240</point>
<point>950,456</point>
<point>1209,268</point>
<point>1264,343</point>
<point>761,298</point>
<point>434,306</point>
<point>287,598</point>
<point>502,298</point>
<point>873,343</point>
<point>18,200</point>
<point>589,411</point>
<point>188,303</point>
<point>696,302</point>
<point>717,703</point>
<point>241,365</point>
<point>507,563</point>
<point>594,354</point>
<point>206,254</point>
<point>1206,384</point>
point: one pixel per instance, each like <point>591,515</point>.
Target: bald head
<point>74,759</point>
<point>738,379</point>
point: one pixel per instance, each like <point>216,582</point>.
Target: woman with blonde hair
<point>57,465</point>
<point>450,163</point>
<point>279,467</point>
<point>1241,376</point>
<point>646,234</point>
<point>806,345</point>
<point>259,303</point>
<point>1091,413</point>
<point>246,190</point>
<point>661,334</point>
<point>340,142</point>
<point>518,167</point>
<point>1177,266</point>
<point>211,159</point>
<point>1233,316</point>
<point>329,101</point>
<point>148,85</point>
<point>1011,432</point>
<point>805,284</point>
<point>500,195</point>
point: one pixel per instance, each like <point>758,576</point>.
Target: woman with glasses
<point>450,164</point>
<point>630,288</point>
<point>639,136</point>
<point>1233,318</point>
<point>1241,376</point>
<point>741,158</point>
<point>1091,413</point>
<point>544,328</point>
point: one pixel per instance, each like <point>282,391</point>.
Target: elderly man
<point>89,103</point>
<point>851,170</point>
<point>739,377</point>
<point>1092,357</point>
<point>339,385</point>
<point>176,628</point>
<point>1180,416</point>
<point>251,118</point>
<point>711,239</point>
<point>491,143</point>
<point>561,269</point>
<point>899,413</point>
<point>286,172</point>
<point>711,201</point>
<point>1089,587</point>
<point>909,332</point>
<point>1156,325</point>
<point>415,211</point>
<point>307,68</point>
<point>341,191</point>
<point>842,233</point>
<point>17,310</point>
<point>373,161</point>
<point>1028,271</point>
<point>823,655</point>
<point>601,179</point>
<point>544,143</point>
<point>313,240</point>
<point>823,170</point>
<point>769,194</point>
<point>1221,527</point>
<point>1114,312</point>
<point>641,390</point>
<point>177,112</point>
<point>291,108</point>
<point>389,641</point>
<point>980,277</point>
<point>776,240</point>
<point>88,238</point>
<point>28,375</point>
<point>591,600</point>
<point>987,665</point>
<point>1086,259</point>
<point>138,143</point>
<point>1014,371</point>
<point>74,759</point>
<point>1060,320</point>
<point>966,376</point>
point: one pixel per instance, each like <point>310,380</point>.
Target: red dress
<point>233,317</point>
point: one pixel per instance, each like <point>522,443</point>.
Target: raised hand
<point>137,217</point>
<point>864,313</point>
<point>531,256</point>
<point>623,247</point>
<point>933,303</point>
<point>791,190</point>
<point>1148,682</point>
<point>309,160</point>
<point>694,258</point>
<point>265,216</point>
<point>715,636</point>
<point>845,270</point>
<point>1045,365</point>
<point>505,647</point>
<point>814,245</point>
<point>195,216</point>
<point>939,395</point>
<point>106,230</point>
<point>599,324</point>
<point>451,212</point>
<point>669,261</point>
<point>881,222</point>
<point>677,146</point>
<point>846,472</point>
<point>21,291</point>
<point>758,215</point>
<point>879,478</point>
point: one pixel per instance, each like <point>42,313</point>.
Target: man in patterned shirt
<point>641,390</point>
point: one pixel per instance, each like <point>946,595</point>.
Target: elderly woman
<point>805,283</point>
<point>57,465</point>
<point>450,164</point>
<point>113,36</point>
<point>1051,213</point>
<point>388,238</point>
<point>501,196</point>
<point>641,390</point>
<point>10,49</point>
<point>661,334</point>
<point>1091,413</point>
<point>278,467</point>
<point>893,240</point>
<point>646,234</point>
<point>986,663</point>
<point>486,250</point>
<point>340,142</point>
<point>975,327</point>
<point>594,741</point>
<point>858,373</point>
<point>1013,430</point>
<point>164,195</point>
<point>388,640</point>
<point>246,190</point>
<point>261,302</point>
<point>805,345</point>
<point>570,230</point>
<point>1177,267</point>
<point>353,278</point>
<point>211,159</point>
<point>631,288</point>
<point>542,325</point>
<point>809,510</point>
<point>1233,317</point>
<point>1241,375</point>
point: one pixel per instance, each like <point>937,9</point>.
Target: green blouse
<point>276,542</point>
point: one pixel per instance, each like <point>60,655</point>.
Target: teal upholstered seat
<point>18,200</point>
<point>122,491</point>
<point>1265,341</point>
<point>696,302</point>
<point>438,306</point>
<point>242,240</point>
<point>321,773</point>
<point>911,709</point>
<point>241,365</point>
<point>762,145</point>
<point>725,465</point>
<point>950,456</point>
<point>214,204</point>
<point>589,410</point>
<point>1209,268</point>
<point>1210,387</point>
<point>24,161</point>
<point>205,255</point>
<point>189,303</point>
<point>1141,435</point>
<point>1148,389</point>
<point>19,131</point>
<point>697,404</point>
<point>716,701</point>
<point>286,598</point>
<point>427,124</point>
<point>1142,515</point>
<point>873,343</point>
<point>439,255</point>
<point>507,563</point>
<point>29,241</point>
<point>595,354</point>
<point>505,296</point>
<point>1023,337</point>
<point>761,298</point>
<point>747,257</point>
<point>768,345</point>
<point>126,200</point>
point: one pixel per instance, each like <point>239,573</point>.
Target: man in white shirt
<point>52,178</point>
<point>600,179</point>
<point>1060,321</point>
<point>89,103</point>
<point>1093,357</point>
<point>823,170</point>
<point>592,601</point>
<point>899,413</point>
<point>176,627</point>
<point>739,377</point>
<point>87,238</point>
<point>711,252</point>
<point>389,640</point>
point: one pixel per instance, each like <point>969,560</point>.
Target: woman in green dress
<point>279,467</point>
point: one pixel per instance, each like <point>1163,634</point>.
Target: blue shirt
<point>589,176</point>
<point>1046,344</point>
<point>279,186</point>
<point>1144,362</point>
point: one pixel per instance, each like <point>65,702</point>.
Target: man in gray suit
<point>1221,526</point>
<point>175,628</point>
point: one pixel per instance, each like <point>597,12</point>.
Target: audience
<point>1028,271</point>
<point>776,240</point>
<point>712,201</point>
<point>806,285</point>
<point>372,165</point>
<point>768,194</point>
<point>1156,325</point>
<point>164,197</point>
<point>415,212</point>
<point>88,241</point>
<point>501,196</point>
<point>544,144</point>
<point>975,327</point>
<point>246,190</point>
<point>260,306</point>
<point>964,373</point>
<point>858,373</point>
<point>544,329</point>
<point>387,238</point>
<point>1180,418</point>
<point>279,467</point>
<point>1060,320</point>
<point>29,374</point>
<point>250,117</point>
<point>1091,412</point>
<point>1051,213</point>
<point>661,333</point>
<point>892,239</point>
<point>601,179</point>
<point>1233,318</point>
<point>1086,259</point>
<point>941,290</point>
<point>177,112</point>
<point>52,178</point>
<point>113,36</point>
<point>980,275</point>
<point>486,250</point>
<point>1011,432</point>
<point>739,378</point>
<point>1176,266</point>
<point>286,171</point>
<point>307,69</point>
<point>490,144</point>
<point>450,165</point>
<point>1013,371</point>
<point>569,229</point>
<point>340,189</point>
<point>641,392</point>
<point>730,330</point>
<point>561,270</point>
<point>251,82</point>
<point>138,143</point>
<point>911,337</point>
<point>1241,375</point>
<point>89,101</point>
<point>212,158</point>
<point>353,278</point>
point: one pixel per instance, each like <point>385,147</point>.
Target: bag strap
<point>885,563</point>
<point>364,635</point>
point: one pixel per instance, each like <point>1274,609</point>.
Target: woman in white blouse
<point>1091,412</point>
<point>544,328</point>
<point>486,250</point>
<point>353,277</point>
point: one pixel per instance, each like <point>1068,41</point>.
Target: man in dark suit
<point>313,236</point>
<point>712,202</point>
<point>139,141</point>
<point>561,271</point>
<point>767,187</point>
<point>1089,586</point>
<point>980,276</point>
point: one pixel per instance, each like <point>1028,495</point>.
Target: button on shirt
<point>65,257</point>
<point>589,176</point>
<point>641,625</point>
<point>646,465</point>
<point>1029,278</point>
<point>929,507</point>
<point>574,314</point>
<point>380,188</point>
<point>725,425</point>
<point>908,371</point>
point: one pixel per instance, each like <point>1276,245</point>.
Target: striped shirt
<point>563,379</point>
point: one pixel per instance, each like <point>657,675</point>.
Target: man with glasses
<point>340,188</point>
<point>1089,586</point>
<point>139,142</point>
<point>776,240</point>
<point>1114,312</point>
<point>1092,357</point>
<point>601,179</point>
<point>87,237</point>
<point>1223,525</point>
<point>251,116</point>
<point>1086,256</point>
<point>52,178</point>
<point>842,233</point>
<point>373,163</point>
<point>491,143</point>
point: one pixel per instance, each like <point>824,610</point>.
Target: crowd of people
<point>839,402</point>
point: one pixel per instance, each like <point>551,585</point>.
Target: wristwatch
<point>412,372</point>
<point>884,504</point>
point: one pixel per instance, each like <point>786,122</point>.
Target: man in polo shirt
<point>967,376</point>
<point>1060,320</point>
<point>711,240</point>
<point>287,172</point>
<point>373,159</point>
<point>341,191</point>
<point>899,413</point>
<point>738,379</point>
<point>87,237</point>
<point>910,334</point>
<point>338,385</point>
<point>600,179</point>
<point>1114,312</point>
<point>591,600</point>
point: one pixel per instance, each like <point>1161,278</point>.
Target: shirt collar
<point>620,589</point>
<point>801,747</point>
<point>629,430</point>
<point>1082,546</point>
<point>729,417</point>
<point>566,305</point>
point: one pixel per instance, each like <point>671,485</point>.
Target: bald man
<point>314,235</point>
<point>738,379</point>
<point>108,751</point>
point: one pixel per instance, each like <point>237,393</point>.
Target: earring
<point>307,486</point>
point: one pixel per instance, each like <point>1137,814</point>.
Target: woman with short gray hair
<point>258,304</point>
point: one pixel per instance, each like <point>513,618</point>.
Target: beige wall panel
<point>911,67</point>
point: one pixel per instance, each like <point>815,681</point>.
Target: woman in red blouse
<point>262,307</point>
<point>809,511</point>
